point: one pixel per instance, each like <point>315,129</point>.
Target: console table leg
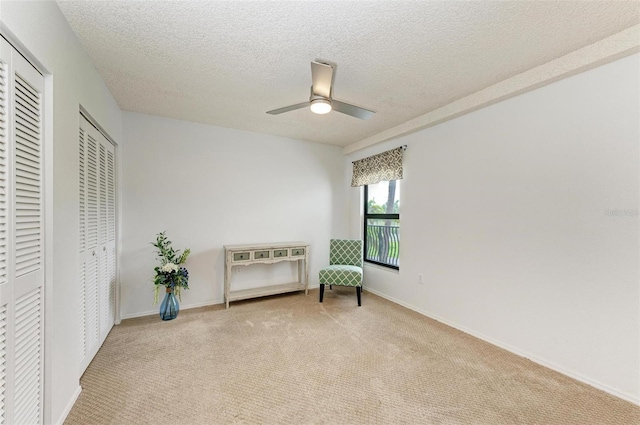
<point>306,284</point>
<point>306,274</point>
<point>226,285</point>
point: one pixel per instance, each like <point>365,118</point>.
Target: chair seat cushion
<point>341,275</point>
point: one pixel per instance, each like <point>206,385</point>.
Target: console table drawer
<point>261,254</point>
<point>280,253</point>
<point>241,256</point>
<point>297,251</point>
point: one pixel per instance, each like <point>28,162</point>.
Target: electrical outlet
<point>420,279</point>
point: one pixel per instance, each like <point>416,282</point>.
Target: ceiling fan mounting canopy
<point>321,100</point>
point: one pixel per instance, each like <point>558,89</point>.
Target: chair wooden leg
<point>321,291</point>
<point>330,286</point>
<point>359,296</point>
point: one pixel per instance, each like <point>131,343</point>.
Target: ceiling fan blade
<point>354,111</point>
<point>321,75</point>
<point>288,108</point>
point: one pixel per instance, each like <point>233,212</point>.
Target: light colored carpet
<point>291,360</point>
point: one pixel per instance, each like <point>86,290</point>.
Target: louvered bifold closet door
<point>21,241</point>
<point>89,242</point>
<point>82,243</point>
<point>97,270</point>
<point>110,237</point>
<point>6,289</point>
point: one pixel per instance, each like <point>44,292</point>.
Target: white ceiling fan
<point>321,101</point>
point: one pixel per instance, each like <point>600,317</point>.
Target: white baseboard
<point>69,406</point>
<point>182,307</point>
<point>628,397</point>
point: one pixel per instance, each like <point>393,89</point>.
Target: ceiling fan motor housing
<point>313,96</point>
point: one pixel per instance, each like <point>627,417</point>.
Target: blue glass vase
<point>169,308</point>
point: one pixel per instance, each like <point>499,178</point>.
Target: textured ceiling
<point>228,62</point>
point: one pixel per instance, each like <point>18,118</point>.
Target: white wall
<point>506,214</point>
<point>210,186</point>
<point>43,31</point>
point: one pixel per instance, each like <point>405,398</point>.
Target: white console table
<point>245,255</point>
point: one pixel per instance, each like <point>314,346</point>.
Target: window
<point>382,223</point>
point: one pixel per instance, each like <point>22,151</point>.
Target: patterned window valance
<point>384,166</point>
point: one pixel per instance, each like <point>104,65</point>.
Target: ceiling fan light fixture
<point>320,106</point>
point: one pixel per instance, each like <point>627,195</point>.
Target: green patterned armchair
<point>345,269</point>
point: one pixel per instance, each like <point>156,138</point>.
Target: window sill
<point>379,267</point>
